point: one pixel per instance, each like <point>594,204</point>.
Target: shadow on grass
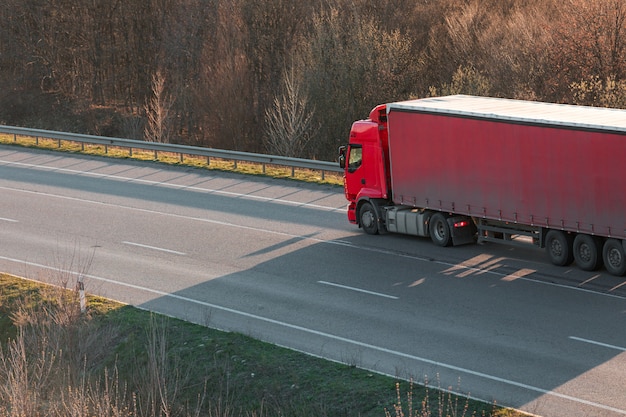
<point>119,360</point>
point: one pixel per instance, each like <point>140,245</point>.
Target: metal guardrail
<point>131,144</point>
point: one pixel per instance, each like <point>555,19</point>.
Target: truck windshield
<point>356,157</point>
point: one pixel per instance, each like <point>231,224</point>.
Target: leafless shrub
<point>52,354</point>
<point>104,398</point>
<point>444,403</point>
<point>133,127</point>
<point>289,122</point>
<point>596,92</point>
<point>158,111</point>
<point>465,80</point>
<point>53,365</point>
<point>508,43</point>
<point>352,64</point>
<point>157,387</point>
<point>23,378</point>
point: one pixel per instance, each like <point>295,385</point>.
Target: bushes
<point>45,368</point>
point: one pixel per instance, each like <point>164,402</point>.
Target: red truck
<point>461,169</point>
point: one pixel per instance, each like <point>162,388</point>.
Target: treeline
<point>286,76</point>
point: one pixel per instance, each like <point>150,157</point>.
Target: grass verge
<point>116,360</point>
<point>273,171</point>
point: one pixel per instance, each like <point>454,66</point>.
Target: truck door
<point>354,180</point>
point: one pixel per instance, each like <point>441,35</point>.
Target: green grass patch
<point>202,371</point>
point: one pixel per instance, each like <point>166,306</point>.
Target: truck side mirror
<point>342,157</point>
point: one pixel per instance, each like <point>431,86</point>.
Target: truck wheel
<point>587,252</point>
<point>368,219</point>
<point>439,230</point>
<point>559,248</point>
<point>614,257</point>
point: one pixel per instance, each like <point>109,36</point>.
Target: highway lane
<point>277,260</point>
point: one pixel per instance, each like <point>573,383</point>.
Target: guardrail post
<point>37,140</point>
<point>181,157</point>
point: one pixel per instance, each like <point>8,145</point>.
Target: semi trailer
<point>462,169</point>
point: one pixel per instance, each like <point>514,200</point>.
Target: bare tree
<point>352,64</point>
<point>289,124</point>
<point>590,47</point>
<point>158,112</point>
<point>506,42</point>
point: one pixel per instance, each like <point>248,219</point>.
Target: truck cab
<point>368,189</point>
<point>366,163</point>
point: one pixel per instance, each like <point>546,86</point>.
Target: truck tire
<point>587,252</point>
<point>439,230</point>
<point>368,219</point>
<point>559,247</point>
<point>614,257</point>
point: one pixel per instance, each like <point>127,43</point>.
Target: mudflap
<point>462,229</point>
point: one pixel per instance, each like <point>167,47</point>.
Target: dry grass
<point>274,171</point>
<point>55,345</point>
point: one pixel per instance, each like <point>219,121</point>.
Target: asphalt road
<point>278,260</point>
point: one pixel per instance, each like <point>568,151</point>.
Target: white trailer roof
<point>533,112</point>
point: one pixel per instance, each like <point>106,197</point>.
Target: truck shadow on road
<point>501,328</point>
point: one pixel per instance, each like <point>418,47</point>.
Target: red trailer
<point>463,168</point>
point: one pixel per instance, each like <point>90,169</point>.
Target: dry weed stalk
<point>45,370</point>
<point>447,404</point>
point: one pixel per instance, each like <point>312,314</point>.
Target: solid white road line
<point>8,220</point>
<point>154,248</point>
<point>593,342</point>
<point>345,287</point>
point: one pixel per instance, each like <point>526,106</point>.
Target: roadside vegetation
<point>285,77</point>
<point>116,360</point>
<point>249,168</point>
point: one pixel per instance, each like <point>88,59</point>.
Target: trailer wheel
<point>559,247</point>
<point>368,219</point>
<point>588,252</point>
<point>614,257</point>
<point>439,230</point>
